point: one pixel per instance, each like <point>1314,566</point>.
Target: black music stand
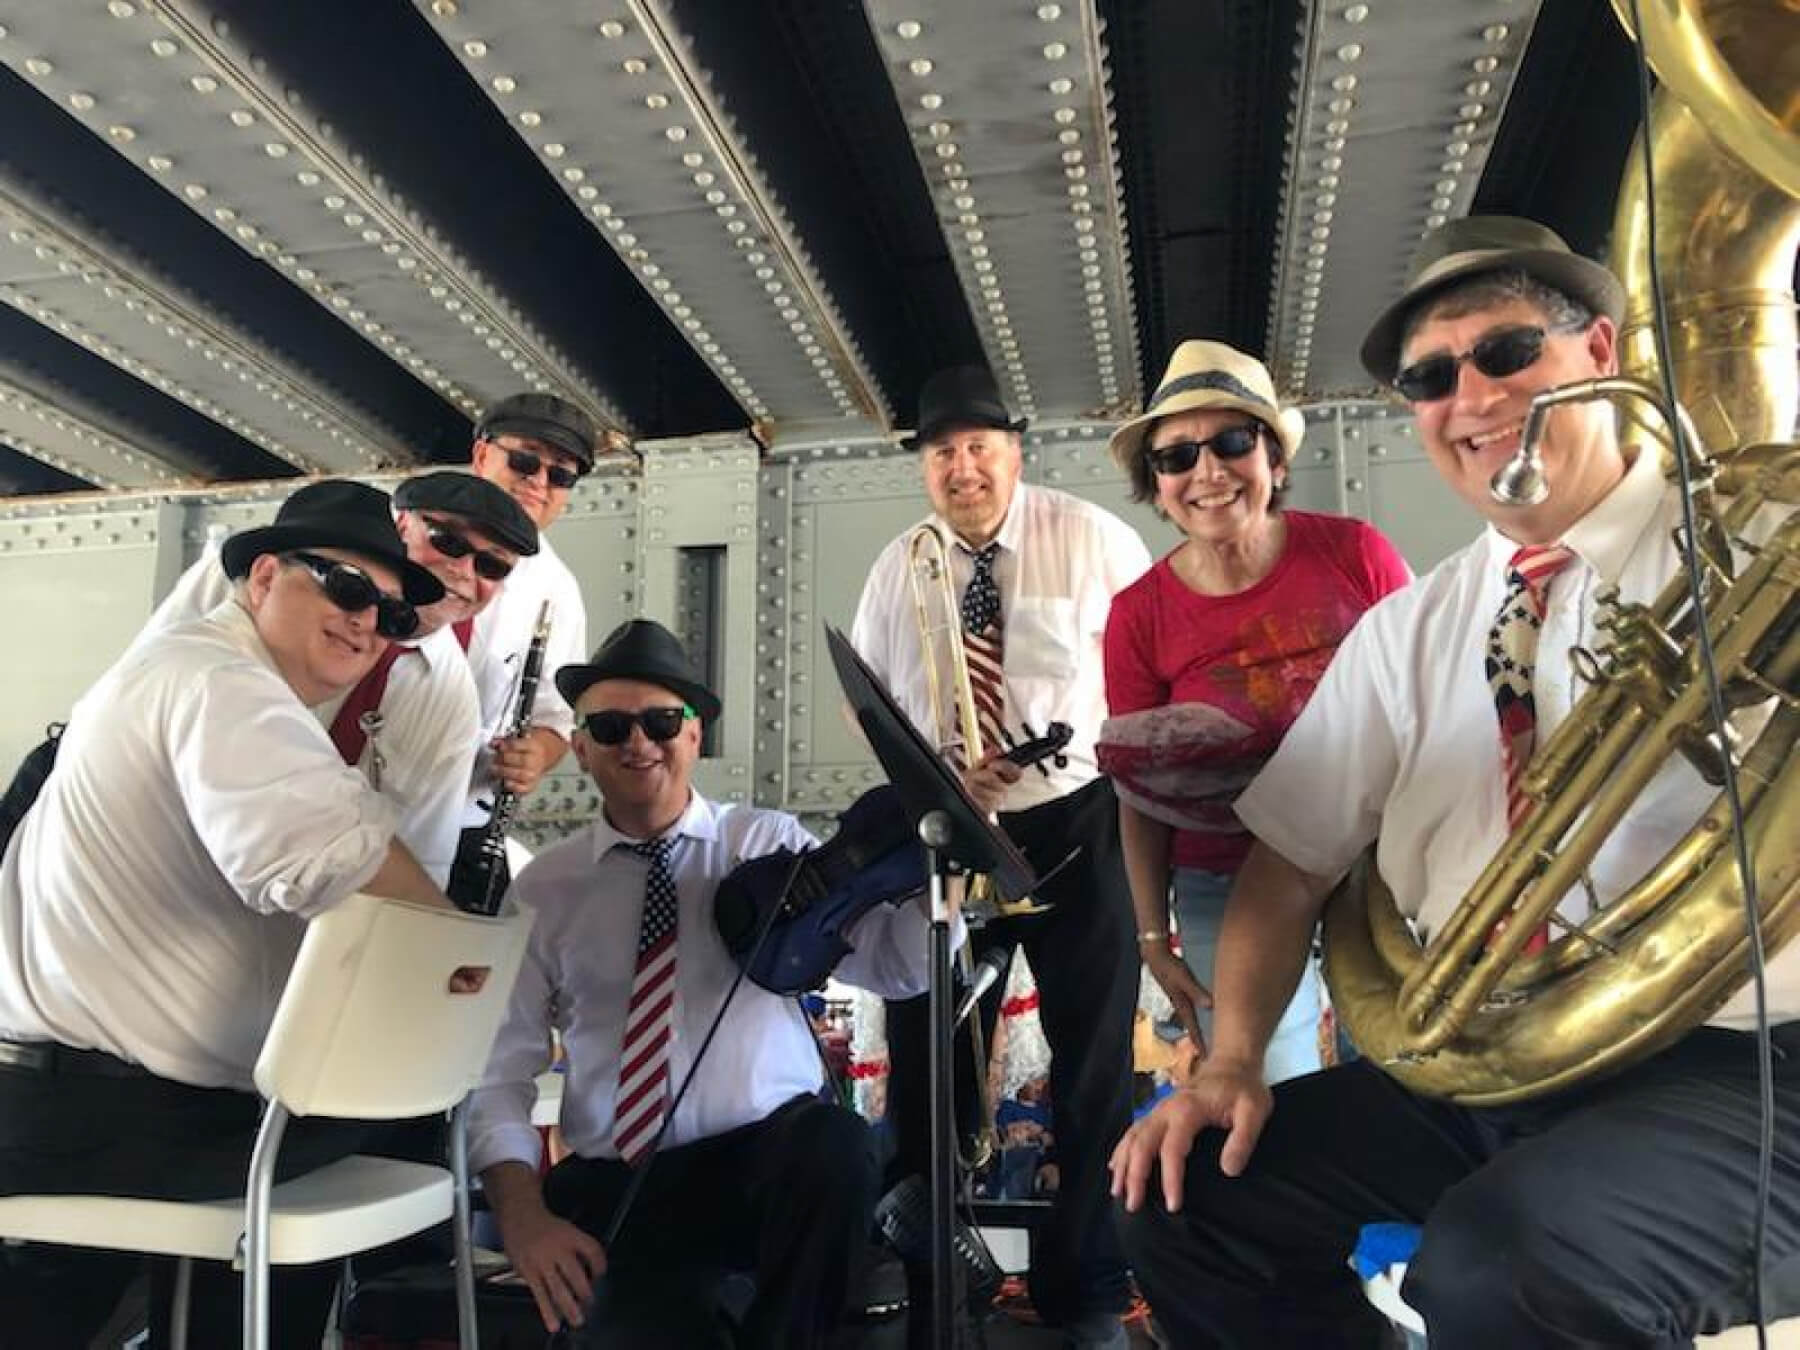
<point>958,839</point>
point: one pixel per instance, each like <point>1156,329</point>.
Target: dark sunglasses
<point>526,465</point>
<point>352,590</point>
<point>453,545</point>
<point>1180,456</point>
<point>614,728</point>
<point>1497,355</point>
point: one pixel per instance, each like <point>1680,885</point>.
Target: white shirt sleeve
<point>568,645</point>
<point>288,824</point>
<point>873,631</point>
<point>500,1128</point>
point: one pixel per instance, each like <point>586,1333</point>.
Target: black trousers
<point>1615,1214</point>
<point>72,1134</point>
<point>789,1199</point>
<point>1084,956</point>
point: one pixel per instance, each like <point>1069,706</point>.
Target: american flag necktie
<point>1511,663</point>
<point>982,645</point>
<point>642,1100</point>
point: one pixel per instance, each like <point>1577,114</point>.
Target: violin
<point>810,900</point>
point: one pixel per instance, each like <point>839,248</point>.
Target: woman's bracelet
<point>1153,935</point>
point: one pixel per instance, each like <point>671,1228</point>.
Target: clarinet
<point>490,875</point>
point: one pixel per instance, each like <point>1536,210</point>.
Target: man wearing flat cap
<point>154,897</point>
<point>413,722</point>
<point>1035,571</point>
<point>535,447</point>
<point>752,1170</point>
<point>1615,1210</point>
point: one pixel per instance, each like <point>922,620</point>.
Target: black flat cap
<point>543,417</point>
<point>487,506</point>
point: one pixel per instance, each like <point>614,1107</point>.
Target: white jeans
<point>1199,914</point>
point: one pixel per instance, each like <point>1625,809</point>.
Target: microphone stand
<point>946,882</point>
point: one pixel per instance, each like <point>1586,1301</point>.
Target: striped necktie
<point>983,646</point>
<point>642,1100</point>
<point>1511,663</point>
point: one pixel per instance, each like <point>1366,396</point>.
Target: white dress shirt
<point>1401,739</point>
<point>153,899</point>
<point>1060,563</point>
<point>431,720</point>
<point>577,972</point>
<point>497,653</point>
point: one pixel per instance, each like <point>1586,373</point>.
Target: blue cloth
<point>1380,1246</point>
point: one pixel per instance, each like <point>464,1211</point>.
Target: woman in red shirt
<point>1211,655</point>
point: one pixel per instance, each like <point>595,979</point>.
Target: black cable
<point>1765,1138</point>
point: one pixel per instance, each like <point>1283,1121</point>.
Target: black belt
<point>48,1057</point>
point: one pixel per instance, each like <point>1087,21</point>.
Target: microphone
<point>990,969</point>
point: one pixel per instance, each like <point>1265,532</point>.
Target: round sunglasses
<point>447,541</point>
<point>1180,456</point>
<point>1504,352</point>
<point>352,590</point>
<point>526,465</point>
<point>614,728</point>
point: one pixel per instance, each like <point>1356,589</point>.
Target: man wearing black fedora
<point>749,1170</point>
<point>413,723</point>
<point>154,897</point>
<point>1034,571</point>
<point>1611,1210</point>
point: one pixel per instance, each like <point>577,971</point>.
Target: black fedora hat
<point>962,396</point>
<point>1472,245</point>
<point>542,417</point>
<point>487,506</point>
<point>335,513</point>
<point>642,649</point>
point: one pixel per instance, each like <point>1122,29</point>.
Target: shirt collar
<point>1606,535</point>
<point>697,822</point>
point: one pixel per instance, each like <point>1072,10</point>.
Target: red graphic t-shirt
<point>1248,661</point>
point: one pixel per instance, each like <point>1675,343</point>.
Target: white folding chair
<point>367,1029</point>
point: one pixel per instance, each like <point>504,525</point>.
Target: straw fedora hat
<point>1204,374</point>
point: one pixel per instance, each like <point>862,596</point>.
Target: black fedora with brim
<point>642,649</point>
<point>1472,245</point>
<point>962,396</point>
<point>341,514</point>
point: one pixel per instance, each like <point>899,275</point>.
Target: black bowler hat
<point>642,649</point>
<point>542,417</point>
<point>487,506</point>
<point>335,513</point>
<point>962,396</point>
<point>1472,245</point>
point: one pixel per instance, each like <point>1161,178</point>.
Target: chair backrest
<point>368,1028</point>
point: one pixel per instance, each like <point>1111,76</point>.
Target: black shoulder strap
<point>33,771</point>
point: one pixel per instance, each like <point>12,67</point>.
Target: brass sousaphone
<point>1484,1025</point>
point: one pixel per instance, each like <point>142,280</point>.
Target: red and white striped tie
<point>983,646</point>
<point>1511,663</point>
<point>642,1100</point>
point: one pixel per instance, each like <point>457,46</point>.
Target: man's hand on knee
<point>558,1262</point>
<point>1225,1095</point>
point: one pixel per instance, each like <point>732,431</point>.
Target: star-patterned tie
<point>642,1100</point>
<point>981,637</point>
<point>1511,663</point>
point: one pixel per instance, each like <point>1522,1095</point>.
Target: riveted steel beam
<point>170,86</point>
<point>76,287</point>
<point>1011,120</point>
<point>614,104</point>
<point>1382,149</point>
